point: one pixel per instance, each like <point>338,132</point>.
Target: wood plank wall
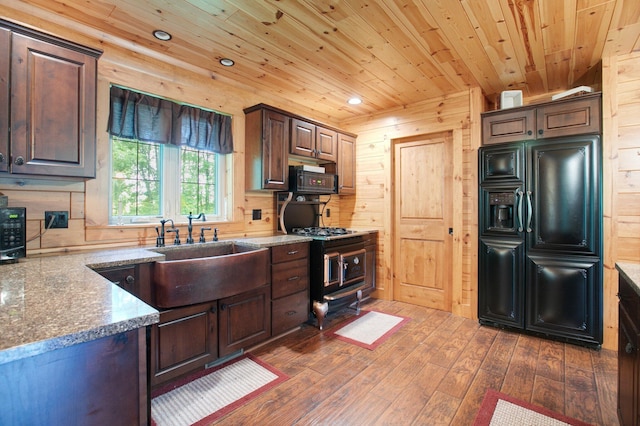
<point>371,206</point>
<point>621,177</point>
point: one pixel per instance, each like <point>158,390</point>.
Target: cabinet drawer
<point>288,278</point>
<point>289,312</point>
<point>289,252</point>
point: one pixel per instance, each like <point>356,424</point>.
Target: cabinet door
<point>326,144</point>
<point>346,164</point>
<point>572,117</point>
<point>628,369</point>
<point>370,245</point>
<point>5,70</point>
<point>564,298</point>
<point>53,109</point>
<point>500,283</point>
<point>511,126</point>
<point>563,190</point>
<point>185,340</point>
<point>502,163</point>
<point>245,320</point>
<point>303,138</point>
<point>275,140</point>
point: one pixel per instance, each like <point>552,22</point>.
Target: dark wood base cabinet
<point>244,320</point>
<point>628,354</point>
<point>290,286</point>
<point>185,340</point>
<point>100,382</point>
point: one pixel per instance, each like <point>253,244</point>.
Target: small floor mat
<point>370,329</point>
<point>209,395</point>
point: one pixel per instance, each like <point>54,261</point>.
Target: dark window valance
<point>134,115</point>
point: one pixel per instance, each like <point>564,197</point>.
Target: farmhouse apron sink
<point>206,272</point>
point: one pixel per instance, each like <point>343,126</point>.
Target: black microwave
<point>13,244</point>
<point>306,182</point>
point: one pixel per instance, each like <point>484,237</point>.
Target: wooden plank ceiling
<point>319,53</point>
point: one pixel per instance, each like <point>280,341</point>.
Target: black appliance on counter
<point>338,258</point>
<point>13,224</point>
<point>540,243</point>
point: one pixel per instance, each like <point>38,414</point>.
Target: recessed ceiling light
<point>354,101</point>
<point>227,62</point>
<point>162,35</point>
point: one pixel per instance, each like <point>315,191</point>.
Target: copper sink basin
<point>201,273</point>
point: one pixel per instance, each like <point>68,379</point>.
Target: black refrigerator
<point>540,242</point>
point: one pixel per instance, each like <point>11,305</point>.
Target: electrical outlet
<point>257,214</point>
<point>56,219</point>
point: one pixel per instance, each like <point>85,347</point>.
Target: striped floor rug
<point>209,395</point>
<point>498,409</point>
<point>369,329</point>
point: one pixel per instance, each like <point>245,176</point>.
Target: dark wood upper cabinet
<point>52,106</point>
<point>326,144</point>
<point>346,164</point>
<point>518,125</point>
<point>564,117</point>
<point>310,140</point>
<point>303,138</point>
<point>267,135</point>
<point>273,135</point>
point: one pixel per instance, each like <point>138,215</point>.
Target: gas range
<point>325,233</point>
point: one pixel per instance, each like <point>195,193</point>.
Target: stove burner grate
<point>320,231</point>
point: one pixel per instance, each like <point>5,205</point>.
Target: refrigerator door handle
<point>529,213</point>
<point>521,195</point>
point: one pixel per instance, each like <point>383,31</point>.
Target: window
<point>150,181</point>
<point>167,159</point>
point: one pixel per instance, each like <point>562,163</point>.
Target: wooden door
<point>423,248</point>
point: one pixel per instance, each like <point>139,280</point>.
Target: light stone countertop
<point>52,302</point>
<point>631,272</point>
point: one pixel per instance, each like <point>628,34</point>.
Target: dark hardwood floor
<point>433,371</point>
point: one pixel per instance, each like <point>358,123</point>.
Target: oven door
<point>332,270</point>
<point>353,267</point>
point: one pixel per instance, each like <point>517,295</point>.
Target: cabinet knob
<point>297,277</point>
<point>529,132</point>
<point>290,313</point>
<point>19,161</point>
<point>130,279</point>
<point>292,252</point>
<point>213,310</point>
<point>223,306</point>
<point>540,131</point>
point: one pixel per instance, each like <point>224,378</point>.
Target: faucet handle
<point>176,241</point>
<point>202,239</point>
